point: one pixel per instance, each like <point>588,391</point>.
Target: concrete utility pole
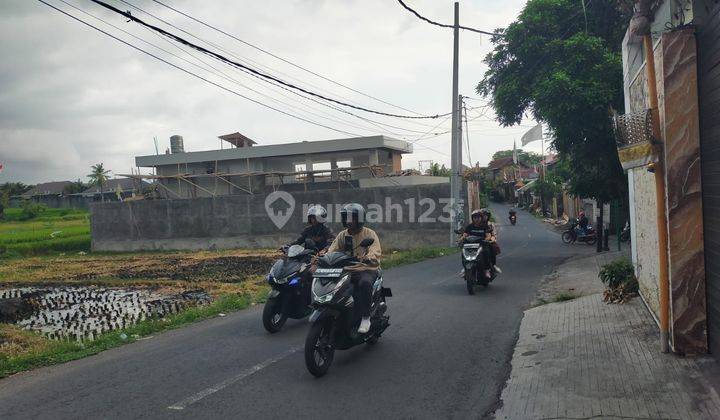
<point>455,149</point>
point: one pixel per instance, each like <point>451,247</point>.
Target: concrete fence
<point>404,217</point>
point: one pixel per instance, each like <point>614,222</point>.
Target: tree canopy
<point>564,67</point>
<point>528,158</point>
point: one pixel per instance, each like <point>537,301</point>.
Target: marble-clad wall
<point>680,129</point>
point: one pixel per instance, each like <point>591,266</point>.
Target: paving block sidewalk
<point>587,359</point>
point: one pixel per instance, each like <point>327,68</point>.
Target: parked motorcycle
<point>575,234</point>
<point>625,234</point>
<point>513,217</point>
<point>476,259</point>
<point>335,320</point>
<point>289,278</point>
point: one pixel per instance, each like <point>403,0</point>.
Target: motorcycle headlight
<point>471,253</point>
<point>324,298</point>
<point>323,293</point>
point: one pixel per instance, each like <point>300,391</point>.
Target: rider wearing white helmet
<point>316,229</point>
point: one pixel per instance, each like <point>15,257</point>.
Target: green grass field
<point>53,231</point>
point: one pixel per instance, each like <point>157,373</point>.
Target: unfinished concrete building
<point>245,168</point>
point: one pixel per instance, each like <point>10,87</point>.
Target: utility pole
<point>455,150</point>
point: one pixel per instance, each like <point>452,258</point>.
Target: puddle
<point>84,312</point>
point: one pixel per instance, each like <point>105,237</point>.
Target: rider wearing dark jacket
<point>482,227</point>
<point>316,230</point>
<point>583,221</point>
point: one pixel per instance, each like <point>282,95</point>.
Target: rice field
<point>54,231</point>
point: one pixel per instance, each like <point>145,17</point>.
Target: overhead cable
<point>443,25</point>
<point>194,74</point>
<point>280,58</point>
<point>226,60</point>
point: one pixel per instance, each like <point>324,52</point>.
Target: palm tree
<point>99,177</point>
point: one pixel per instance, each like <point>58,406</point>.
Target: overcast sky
<point>71,97</point>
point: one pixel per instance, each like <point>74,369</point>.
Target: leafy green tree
<point>565,69</point>
<point>14,188</point>
<point>436,170</point>
<point>75,187</point>
<point>99,176</point>
<point>528,158</point>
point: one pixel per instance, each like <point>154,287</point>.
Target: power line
<point>379,125</point>
<point>443,25</point>
<point>267,68</point>
<point>194,74</point>
<point>214,70</point>
<point>280,58</point>
<point>259,73</point>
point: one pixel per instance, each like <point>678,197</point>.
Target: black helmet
<point>486,212</point>
<point>476,212</point>
<point>356,211</point>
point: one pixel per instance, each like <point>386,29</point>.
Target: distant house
<point>54,188</point>
<point>503,169</point>
<point>247,168</point>
<point>126,187</point>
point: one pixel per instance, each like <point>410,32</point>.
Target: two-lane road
<point>446,354</point>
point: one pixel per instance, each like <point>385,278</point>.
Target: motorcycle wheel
<point>273,318</point>
<point>318,354</point>
<point>568,237</point>
<point>470,281</point>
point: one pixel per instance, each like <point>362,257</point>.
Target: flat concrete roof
<point>272,150</point>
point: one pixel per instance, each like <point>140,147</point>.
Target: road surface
<point>445,355</point>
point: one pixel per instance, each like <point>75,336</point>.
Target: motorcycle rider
<point>353,218</point>
<point>583,222</point>
<point>512,213</point>
<point>482,227</point>
<point>316,230</point>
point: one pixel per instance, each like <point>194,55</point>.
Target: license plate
<point>328,272</point>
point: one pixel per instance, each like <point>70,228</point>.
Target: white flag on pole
<point>533,134</point>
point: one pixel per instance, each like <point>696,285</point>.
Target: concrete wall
<point>402,181</point>
<point>244,221</point>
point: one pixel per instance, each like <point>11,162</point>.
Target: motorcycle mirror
<point>367,242</point>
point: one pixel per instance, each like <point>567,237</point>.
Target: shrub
<point>616,273</point>
<point>619,277</point>
<point>31,210</point>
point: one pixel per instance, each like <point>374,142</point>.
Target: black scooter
<point>335,320</point>
<point>290,280</point>
<point>475,253</point>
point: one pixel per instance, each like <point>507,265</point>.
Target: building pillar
<point>309,167</point>
<point>333,169</point>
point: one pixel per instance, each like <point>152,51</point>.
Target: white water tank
<point>176,144</point>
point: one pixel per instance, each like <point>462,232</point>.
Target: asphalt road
<point>445,355</point>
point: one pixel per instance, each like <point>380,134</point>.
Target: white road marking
<point>240,376</point>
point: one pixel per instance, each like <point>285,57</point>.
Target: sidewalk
<point>586,359</point>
